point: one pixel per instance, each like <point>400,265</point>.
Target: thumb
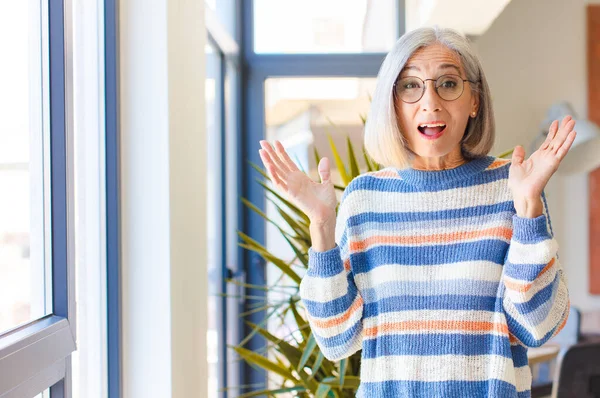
<point>324,171</point>
<point>518,155</point>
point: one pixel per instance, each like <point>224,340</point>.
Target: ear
<point>474,103</point>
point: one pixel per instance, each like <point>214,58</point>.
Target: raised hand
<point>316,200</point>
<point>527,178</point>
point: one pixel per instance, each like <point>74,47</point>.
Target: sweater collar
<point>425,178</point>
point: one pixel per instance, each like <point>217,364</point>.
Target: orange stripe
<point>340,319</point>
<point>523,288</point>
<point>347,264</point>
<point>361,245</point>
<point>498,163</point>
<point>385,173</point>
<point>465,326</point>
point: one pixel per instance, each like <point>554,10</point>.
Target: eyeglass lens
<point>411,88</point>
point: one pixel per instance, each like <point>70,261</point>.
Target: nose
<point>431,101</point>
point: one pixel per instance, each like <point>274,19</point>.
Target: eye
<point>448,84</point>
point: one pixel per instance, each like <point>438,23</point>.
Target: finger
<point>272,170</point>
<point>551,133</point>
<point>565,120</point>
<point>562,151</point>
<point>518,155</point>
<point>561,136</point>
<point>283,169</point>
<point>285,156</point>
<point>324,170</point>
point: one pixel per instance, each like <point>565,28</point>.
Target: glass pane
<point>332,26</point>
<point>232,201</point>
<point>225,11</point>
<point>24,169</point>
<point>213,217</point>
<point>301,112</point>
<point>44,394</point>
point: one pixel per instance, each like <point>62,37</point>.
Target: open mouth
<point>432,130</point>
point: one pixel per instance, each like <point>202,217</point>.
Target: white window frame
<point>37,356</point>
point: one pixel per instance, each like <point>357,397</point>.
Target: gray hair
<point>383,140</point>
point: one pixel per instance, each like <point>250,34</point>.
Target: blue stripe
<point>383,184</point>
<point>430,288</point>
<point>519,355</point>
<point>437,344</point>
<point>447,388</point>
<point>543,296</point>
<point>333,307</point>
<point>415,216</point>
<point>530,230</point>
<point>523,272</point>
<point>447,224</point>
<point>486,250</point>
<point>524,335</point>
<point>412,303</point>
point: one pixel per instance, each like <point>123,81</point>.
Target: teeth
<point>432,125</point>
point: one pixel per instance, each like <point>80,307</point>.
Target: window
<point>24,153</point>
<point>333,26</point>
<point>36,245</point>
<point>222,98</point>
<point>214,206</point>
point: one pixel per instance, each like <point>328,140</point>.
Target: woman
<point>442,266</point>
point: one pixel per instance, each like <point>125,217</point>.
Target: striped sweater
<point>438,281</point>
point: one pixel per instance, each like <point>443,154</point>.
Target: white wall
<point>163,198</point>
<point>533,55</point>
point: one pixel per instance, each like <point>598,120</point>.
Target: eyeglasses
<point>410,89</point>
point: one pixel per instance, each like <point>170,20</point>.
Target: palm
<point>527,178</point>
<point>308,194</point>
<point>316,200</point>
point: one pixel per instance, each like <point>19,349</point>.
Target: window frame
<point>36,356</point>
<point>227,48</point>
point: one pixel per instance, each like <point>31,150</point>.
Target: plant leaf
<point>323,391</point>
<point>343,366</point>
<point>272,392</point>
<point>310,347</point>
<point>338,161</point>
<point>317,364</point>
<point>354,171</point>
<point>299,320</point>
<point>264,363</point>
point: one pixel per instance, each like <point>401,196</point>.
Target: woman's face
<point>430,63</point>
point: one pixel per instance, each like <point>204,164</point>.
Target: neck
<point>449,161</point>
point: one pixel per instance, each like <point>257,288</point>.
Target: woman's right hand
<point>316,200</point>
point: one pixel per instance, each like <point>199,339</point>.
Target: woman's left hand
<point>527,178</point>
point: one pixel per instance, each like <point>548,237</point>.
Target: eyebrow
<point>442,66</point>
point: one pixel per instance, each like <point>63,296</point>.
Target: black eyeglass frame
<point>434,85</point>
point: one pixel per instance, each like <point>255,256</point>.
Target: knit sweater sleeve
<point>328,291</point>
<point>536,298</point>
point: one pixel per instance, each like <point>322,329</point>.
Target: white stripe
<point>456,198</point>
<point>523,378</point>
<point>532,253</point>
<point>472,270</point>
<point>432,228</point>
<point>323,290</point>
<point>539,283</point>
<point>556,313</point>
<point>438,368</point>
<point>339,328</point>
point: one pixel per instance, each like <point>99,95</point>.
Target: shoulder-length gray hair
<point>383,139</point>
